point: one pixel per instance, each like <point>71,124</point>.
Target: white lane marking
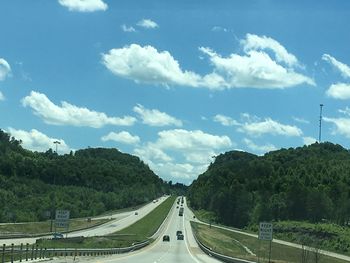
<point>183,223</point>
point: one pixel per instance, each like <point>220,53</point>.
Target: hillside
<point>89,182</point>
<point>310,183</point>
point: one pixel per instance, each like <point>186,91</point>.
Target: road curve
<point>175,251</point>
<point>120,221</point>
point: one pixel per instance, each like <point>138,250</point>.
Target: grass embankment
<point>326,236</point>
<point>140,231</point>
<point>44,227</point>
<point>233,244</point>
<point>329,237</point>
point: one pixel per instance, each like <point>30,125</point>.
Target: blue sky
<point>174,82</point>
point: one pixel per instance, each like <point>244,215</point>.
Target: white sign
<point>265,231</point>
<point>62,218</point>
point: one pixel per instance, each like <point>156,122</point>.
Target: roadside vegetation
<point>309,183</point>
<point>88,182</point>
<point>37,228</point>
<point>304,191</point>
<point>250,248</point>
<point>140,231</point>
<point>326,236</point>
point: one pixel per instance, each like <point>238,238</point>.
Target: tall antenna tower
<point>319,133</point>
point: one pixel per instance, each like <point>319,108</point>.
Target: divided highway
<point>174,251</point>
<point>120,221</point>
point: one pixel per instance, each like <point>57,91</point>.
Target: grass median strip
<point>137,232</point>
<point>235,245</point>
<point>44,227</point>
<point>148,225</point>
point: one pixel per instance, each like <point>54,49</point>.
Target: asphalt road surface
<point>175,251</point>
<point>120,221</point>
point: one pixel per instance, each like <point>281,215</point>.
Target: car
<point>177,206</point>
<point>57,235</point>
<point>136,213</point>
<point>180,237</point>
<point>166,238</point>
<point>178,232</point>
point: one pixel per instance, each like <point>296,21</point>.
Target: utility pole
<point>54,194</point>
<point>56,142</point>
<point>319,133</point>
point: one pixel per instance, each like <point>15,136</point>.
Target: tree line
<point>309,183</point>
<point>87,182</point>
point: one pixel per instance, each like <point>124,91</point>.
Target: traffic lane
<point>118,224</point>
<point>159,251</point>
<point>104,229</point>
<point>193,246</point>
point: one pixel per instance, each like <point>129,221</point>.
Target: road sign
<point>265,231</point>
<point>62,218</point>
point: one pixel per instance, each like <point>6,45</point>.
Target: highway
<point>120,221</point>
<point>175,251</point>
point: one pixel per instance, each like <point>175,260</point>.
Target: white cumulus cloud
<point>126,28</point>
<point>151,151</point>
<point>147,65</point>
<point>5,69</point>
<point>68,114</point>
<point>339,91</point>
<point>309,140</point>
<point>269,126</point>
<point>196,148</point>
<point>123,137</point>
<point>225,120</point>
<point>346,111</point>
<point>179,139</point>
<point>254,69</point>
<point>254,42</point>
<point>301,120</point>
<point>342,125</point>
<point>343,68</point>
<point>147,23</point>
<point>84,5</point>
<point>259,148</point>
<point>35,140</point>
<point>154,117</point>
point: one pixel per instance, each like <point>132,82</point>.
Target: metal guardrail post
<point>32,256</point>
<point>12,246</point>
<point>36,251</point>
<point>27,248</point>
<point>20,253</point>
<point>3,253</point>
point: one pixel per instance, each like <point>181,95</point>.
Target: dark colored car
<point>180,237</point>
<point>166,238</point>
<point>178,232</point>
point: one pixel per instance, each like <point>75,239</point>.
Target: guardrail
<point>216,255</point>
<point>32,252</point>
<point>6,235</point>
<point>161,227</point>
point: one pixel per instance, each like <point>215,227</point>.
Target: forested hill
<point>307,183</point>
<point>87,183</point>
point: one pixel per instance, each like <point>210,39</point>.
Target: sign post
<point>266,233</point>
<point>62,219</point>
